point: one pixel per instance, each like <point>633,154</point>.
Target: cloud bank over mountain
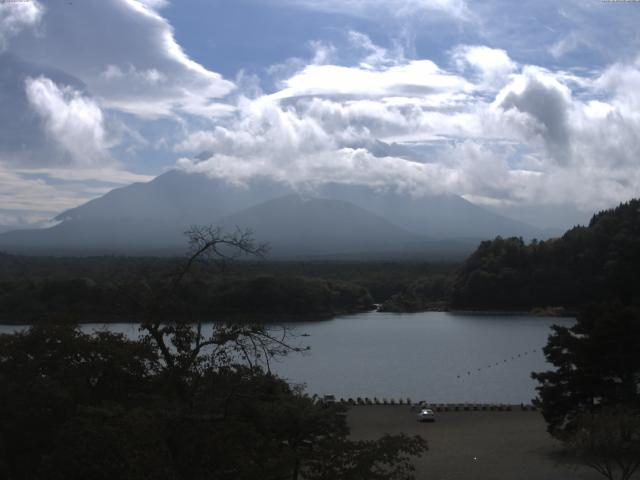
<point>419,96</point>
<point>489,128</point>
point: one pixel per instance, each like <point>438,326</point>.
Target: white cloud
<point>492,65</point>
<point>16,16</point>
<point>107,175</point>
<point>141,70</point>
<point>71,120</point>
<point>482,124</point>
<point>496,132</point>
<point>375,55</point>
<point>412,78</point>
<point>23,193</point>
<point>399,8</point>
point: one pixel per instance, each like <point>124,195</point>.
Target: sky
<point>528,108</point>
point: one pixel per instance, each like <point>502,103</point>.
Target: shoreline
<point>276,319</point>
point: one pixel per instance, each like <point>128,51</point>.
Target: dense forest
<point>81,289</point>
<point>599,262</point>
<point>82,299</point>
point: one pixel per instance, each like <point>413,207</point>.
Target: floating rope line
<point>514,357</point>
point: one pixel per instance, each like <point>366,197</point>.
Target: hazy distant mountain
<point>334,219</point>
<point>437,216</point>
<point>294,225</point>
<point>175,197</point>
<point>553,218</point>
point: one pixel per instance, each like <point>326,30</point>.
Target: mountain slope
<point>294,225</point>
<point>438,216</point>
<point>150,217</point>
<point>175,197</point>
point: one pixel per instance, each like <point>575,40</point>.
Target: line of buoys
<point>437,407</point>
<point>519,355</point>
<point>370,401</point>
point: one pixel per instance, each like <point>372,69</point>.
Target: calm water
<point>440,357</point>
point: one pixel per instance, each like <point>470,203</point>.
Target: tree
<point>597,365</point>
<point>607,441</point>
<point>49,375</point>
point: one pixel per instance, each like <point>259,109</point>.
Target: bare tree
<point>183,345</point>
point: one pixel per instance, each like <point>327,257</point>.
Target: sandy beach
<point>474,445</point>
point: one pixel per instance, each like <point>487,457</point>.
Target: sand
<point>474,445</point>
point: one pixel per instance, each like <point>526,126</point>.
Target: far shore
<point>474,445</point>
<point>277,318</point>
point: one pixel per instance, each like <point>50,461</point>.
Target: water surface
<point>437,356</point>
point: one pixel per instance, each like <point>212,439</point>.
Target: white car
<point>426,415</point>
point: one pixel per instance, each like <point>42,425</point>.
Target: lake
<point>437,356</point>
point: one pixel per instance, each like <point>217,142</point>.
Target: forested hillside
<point>587,264</point>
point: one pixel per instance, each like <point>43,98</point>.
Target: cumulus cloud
<point>141,70</point>
<point>72,120</point>
<point>16,16</point>
<point>475,122</point>
<point>544,103</point>
<point>79,81</point>
<point>489,129</point>
<point>492,65</point>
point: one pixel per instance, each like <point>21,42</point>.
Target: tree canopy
<point>600,262</point>
<point>596,365</point>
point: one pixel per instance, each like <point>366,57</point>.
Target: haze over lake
<point>437,356</point>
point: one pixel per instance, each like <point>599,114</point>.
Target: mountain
<point>143,217</point>
<point>294,225</point>
<point>333,219</point>
<point>437,216</point>
<point>175,197</point>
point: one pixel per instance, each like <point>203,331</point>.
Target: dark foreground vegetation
<point>75,406</point>
<point>174,404</point>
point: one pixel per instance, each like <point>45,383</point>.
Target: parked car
<point>426,415</point>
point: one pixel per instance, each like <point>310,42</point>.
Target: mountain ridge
<point>151,217</point>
